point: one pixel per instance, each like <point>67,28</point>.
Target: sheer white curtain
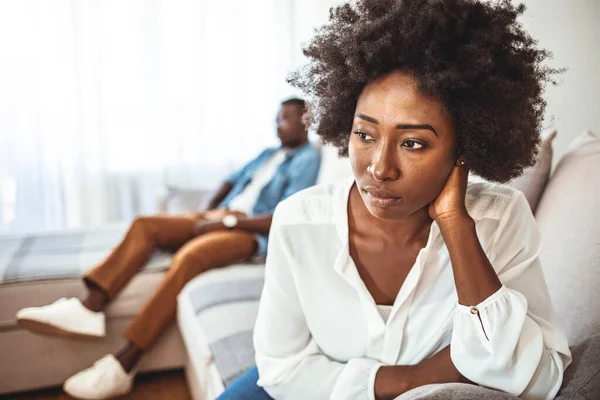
<point>102,102</point>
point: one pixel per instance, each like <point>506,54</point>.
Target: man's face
<point>402,147</point>
<point>290,128</point>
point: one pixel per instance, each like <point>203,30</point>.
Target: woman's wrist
<point>392,381</point>
<point>438,369</point>
<point>455,222</point>
<point>474,276</point>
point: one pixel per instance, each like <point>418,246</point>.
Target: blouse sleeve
<point>513,341</point>
<point>289,362</point>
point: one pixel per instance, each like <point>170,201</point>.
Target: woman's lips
<point>381,198</point>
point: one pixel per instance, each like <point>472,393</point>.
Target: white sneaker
<point>104,380</point>
<point>66,317</point>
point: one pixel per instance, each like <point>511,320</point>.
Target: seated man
<point>234,228</point>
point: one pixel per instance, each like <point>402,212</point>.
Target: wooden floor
<point>157,386</point>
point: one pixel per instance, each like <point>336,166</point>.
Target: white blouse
<point>320,335</point>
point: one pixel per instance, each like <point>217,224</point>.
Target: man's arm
<point>230,181</point>
<point>260,224</point>
<point>303,173</point>
<point>220,194</point>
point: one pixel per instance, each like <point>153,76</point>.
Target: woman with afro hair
<point>407,274</point>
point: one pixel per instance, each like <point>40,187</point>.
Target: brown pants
<point>193,255</point>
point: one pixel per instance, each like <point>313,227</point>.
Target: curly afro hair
<point>472,55</point>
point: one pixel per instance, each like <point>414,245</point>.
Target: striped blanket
<point>217,312</point>
<point>62,254</point>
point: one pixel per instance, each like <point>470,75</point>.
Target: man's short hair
<point>295,101</point>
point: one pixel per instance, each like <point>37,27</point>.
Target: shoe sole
<point>52,330</point>
<point>119,397</point>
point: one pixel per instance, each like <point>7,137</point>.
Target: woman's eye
<point>363,136</point>
<point>413,145</point>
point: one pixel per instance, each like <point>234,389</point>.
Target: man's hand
<point>217,215</point>
<point>213,221</point>
<point>204,227</point>
<point>450,203</point>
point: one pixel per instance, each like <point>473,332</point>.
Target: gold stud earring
<point>462,162</point>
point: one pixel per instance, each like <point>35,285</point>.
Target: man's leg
<point>83,318</point>
<point>111,376</point>
<point>245,388</point>
<point>144,236</point>
<point>213,250</point>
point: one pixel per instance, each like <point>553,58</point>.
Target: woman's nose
<point>385,167</point>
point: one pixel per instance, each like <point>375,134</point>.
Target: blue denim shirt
<point>298,171</point>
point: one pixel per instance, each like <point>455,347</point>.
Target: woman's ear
<point>460,159</point>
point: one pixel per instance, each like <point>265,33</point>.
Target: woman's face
<point>402,147</point>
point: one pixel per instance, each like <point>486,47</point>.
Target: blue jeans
<point>245,388</point>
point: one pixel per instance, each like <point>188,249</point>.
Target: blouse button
<point>474,310</point>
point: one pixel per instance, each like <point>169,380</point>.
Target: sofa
<point>217,310</point>
<point>212,339</point>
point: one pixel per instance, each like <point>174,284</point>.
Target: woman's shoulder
<point>487,200</point>
<point>316,204</point>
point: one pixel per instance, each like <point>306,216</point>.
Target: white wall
<point>308,15</point>
<point>569,28</point>
<point>305,16</point>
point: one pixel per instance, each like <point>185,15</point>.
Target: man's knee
<point>189,260</point>
<point>232,245</point>
<point>214,250</point>
<point>149,225</point>
<point>141,223</point>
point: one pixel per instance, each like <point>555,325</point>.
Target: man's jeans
<point>245,388</point>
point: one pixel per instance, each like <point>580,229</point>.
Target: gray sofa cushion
<point>533,181</point>
<point>568,217</point>
<point>454,391</point>
<point>582,377</point>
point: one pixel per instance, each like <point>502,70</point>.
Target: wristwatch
<point>230,221</point>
